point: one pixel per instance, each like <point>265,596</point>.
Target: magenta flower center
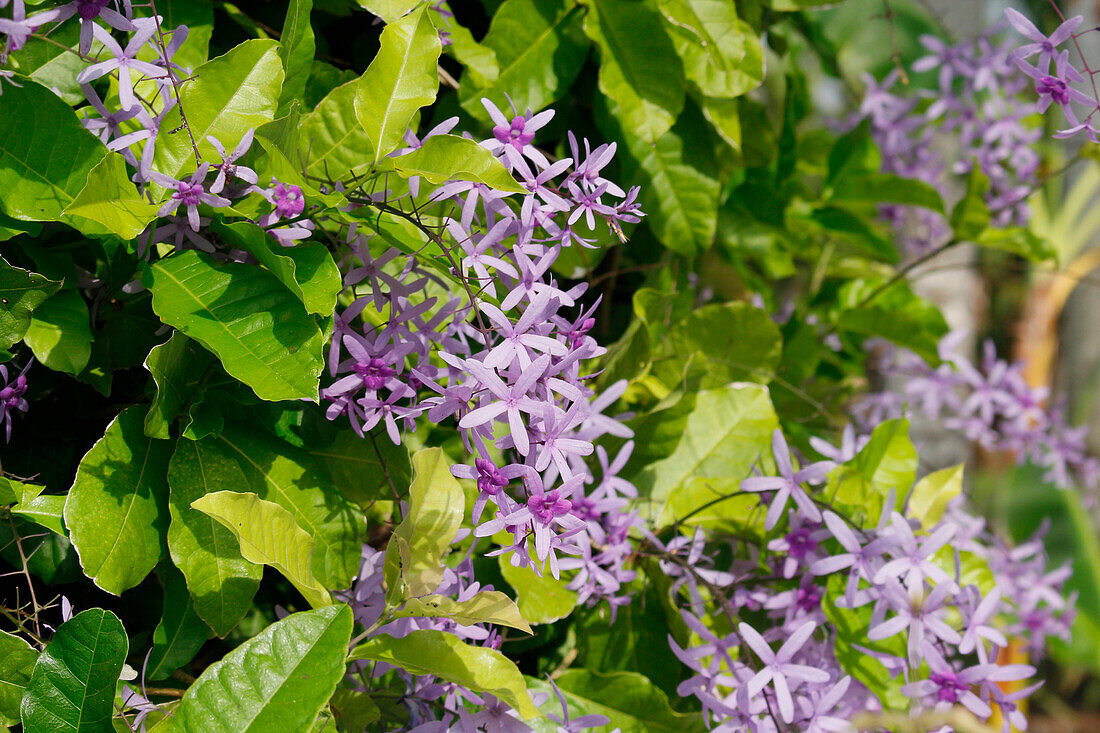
<point>188,193</point>
<point>950,689</point>
<point>374,373</point>
<point>89,9</point>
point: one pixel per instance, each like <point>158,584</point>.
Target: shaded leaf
<point>639,67</point>
<point>296,50</point>
<point>538,48</point>
<point>177,366</point>
<point>180,632</point>
<point>115,510</point>
<point>221,582</point>
<point>331,139</point>
<point>21,292</point>
<point>60,332</point>
<point>46,155</point>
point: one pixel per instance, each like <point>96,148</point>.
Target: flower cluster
<point>1053,74</point>
<point>932,608</point>
<point>991,404</point>
<point>506,361</point>
<point>975,117</point>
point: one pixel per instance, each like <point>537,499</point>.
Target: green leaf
<point>180,633</point>
<point>296,50</point>
<point>115,510</point>
<point>895,313</point>
<point>887,463</point>
<point>851,627</point>
<point>17,660</point>
<point>73,684</point>
<point>60,332</point>
<point>45,511</point>
<point>1030,501</point>
<point>46,155</point>
<point>720,52</point>
<point>21,292</point>
<point>538,48</point>
<point>388,10</point>
<point>225,97</point>
<point>256,327</point>
<point>876,188</point>
<point>400,80</point>
<point>268,535</point>
<point>289,476</point>
<point>971,215</point>
<point>480,60</point>
<point>221,582</point>
<point>930,496</point>
<point>1020,241</point>
<point>679,187</point>
<point>307,269</point>
<point>631,702</point>
<point>444,655</point>
<point>445,158</point>
<point>17,492</point>
<point>436,506</point>
<point>541,599</point>
<point>725,433</point>
<point>354,710</point>
<point>109,199</point>
<point>484,607</point>
<point>639,67</point>
<point>276,681</point>
<point>331,138</point>
<point>739,342</point>
<point>177,366</point>
<point>362,469</point>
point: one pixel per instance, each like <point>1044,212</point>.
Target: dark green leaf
<point>222,583</point>
<point>296,50</point>
<point>276,681</point>
<point>60,333</point>
<point>46,155</point>
<point>20,293</point>
<point>177,366</point>
<point>17,660</point>
<point>538,48</point>
<point>639,67</point>
<point>73,684</point>
<point>180,632</point>
<point>738,341</point>
<point>971,215</point>
<point>875,188</point>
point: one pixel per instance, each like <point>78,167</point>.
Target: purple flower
<point>189,194</point>
<point>12,396</point>
<point>124,61</point>
<point>511,400</point>
<point>788,484</point>
<point>778,668</point>
<point>1045,46</point>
